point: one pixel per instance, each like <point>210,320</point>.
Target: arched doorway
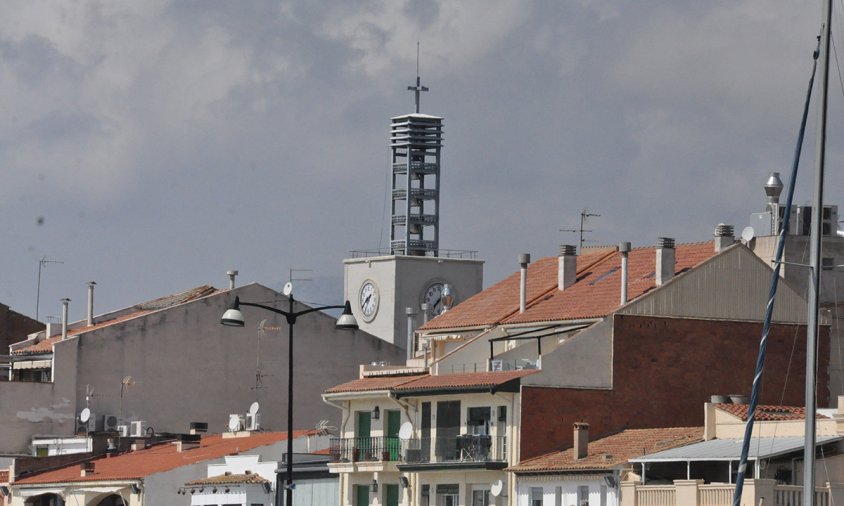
<point>45,500</point>
<point>111,500</point>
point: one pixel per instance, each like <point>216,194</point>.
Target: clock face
<point>368,300</point>
<point>433,297</point>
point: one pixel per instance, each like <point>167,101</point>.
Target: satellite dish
<point>406,430</point>
<point>747,234</point>
<point>496,488</point>
<point>253,408</point>
<point>288,289</point>
<point>234,423</point>
<point>85,415</point>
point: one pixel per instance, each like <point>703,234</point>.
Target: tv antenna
<point>584,215</point>
<point>41,264</point>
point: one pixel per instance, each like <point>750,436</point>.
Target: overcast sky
<point>151,146</point>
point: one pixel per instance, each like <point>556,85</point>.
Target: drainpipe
<point>231,274</point>
<point>624,249</point>
<point>524,260</point>
<point>91,285</point>
<point>411,316</point>
<point>65,303</point>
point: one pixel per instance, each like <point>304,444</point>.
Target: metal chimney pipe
<point>411,316</point>
<point>232,274</point>
<point>65,303</point>
<point>524,260</point>
<point>425,308</point>
<point>91,285</point>
<point>624,249</point>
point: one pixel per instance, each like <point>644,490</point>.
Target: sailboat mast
<point>815,264</point>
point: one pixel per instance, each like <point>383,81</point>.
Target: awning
<point>730,449</point>
<point>33,364</point>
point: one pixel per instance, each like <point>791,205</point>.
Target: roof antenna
<point>583,217</point>
<point>43,263</point>
<point>418,88</point>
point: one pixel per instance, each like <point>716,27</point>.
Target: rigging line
<point>834,330</point>
<point>837,66</point>
<point>775,274</point>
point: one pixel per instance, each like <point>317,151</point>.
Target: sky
<point>152,146</point>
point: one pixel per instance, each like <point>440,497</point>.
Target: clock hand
<point>366,300</point>
<point>437,303</point>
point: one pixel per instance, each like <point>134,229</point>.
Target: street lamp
<point>234,318</point>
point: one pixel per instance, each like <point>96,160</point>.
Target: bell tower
<point>414,273</point>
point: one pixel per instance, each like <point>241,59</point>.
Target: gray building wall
<point>187,367</point>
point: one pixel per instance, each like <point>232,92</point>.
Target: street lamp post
<point>234,318</point>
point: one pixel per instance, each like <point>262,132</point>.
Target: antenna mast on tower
<point>418,88</point>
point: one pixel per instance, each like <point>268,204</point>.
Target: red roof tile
<point>595,294</point>
<point>230,479</point>
<point>427,382</point>
<point>606,453</point>
<point>371,384</point>
<point>501,300</point>
<point>158,459</point>
<point>597,291</point>
<point>767,413</point>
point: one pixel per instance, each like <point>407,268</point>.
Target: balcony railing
<point>448,449</point>
<point>695,493</point>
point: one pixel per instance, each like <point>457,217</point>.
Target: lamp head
<point>233,317</point>
<point>347,320</point>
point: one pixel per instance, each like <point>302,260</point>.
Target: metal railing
<point>442,253</point>
<point>461,448</point>
<point>719,495</point>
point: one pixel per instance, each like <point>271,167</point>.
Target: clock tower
<point>414,273</point>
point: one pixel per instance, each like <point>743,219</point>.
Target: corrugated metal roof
<point>730,449</point>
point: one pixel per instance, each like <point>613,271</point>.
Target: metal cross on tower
<point>418,88</point>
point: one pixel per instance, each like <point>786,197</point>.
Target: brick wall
<point>14,327</point>
<point>664,369</point>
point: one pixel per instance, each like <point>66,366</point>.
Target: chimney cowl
<point>724,230</point>
<point>773,187</point>
<point>624,247</point>
<point>524,259</point>
<point>567,250</point>
<point>665,242</point>
<point>566,266</point>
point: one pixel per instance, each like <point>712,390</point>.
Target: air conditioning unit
<point>123,430</point>
<point>137,428</point>
<point>253,421</point>
<point>110,422</point>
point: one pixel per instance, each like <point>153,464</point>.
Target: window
<point>448,495</point>
<point>535,496</point>
<point>481,498</point>
<point>583,495</point>
<point>478,420</point>
<point>426,496</point>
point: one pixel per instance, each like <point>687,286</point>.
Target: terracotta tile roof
<point>372,384</point>
<point>462,381</point>
<point>159,458</point>
<point>606,453</point>
<point>597,290</point>
<point>426,382</point>
<point>595,294</point>
<point>767,413</point>
<point>46,345</point>
<point>501,300</point>
<point>230,479</point>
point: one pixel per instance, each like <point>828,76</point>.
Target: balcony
<point>465,450</point>
<point>696,493</point>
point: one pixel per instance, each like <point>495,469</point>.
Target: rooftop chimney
<point>232,274</point>
<point>773,188</point>
<point>91,285</point>
<point>65,303</point>
<point>724,237</point>
<point>624,249</point>
<point>665,260</point>
<point>567,266</point>
<point>581,440</point>
<point>524,260</point>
